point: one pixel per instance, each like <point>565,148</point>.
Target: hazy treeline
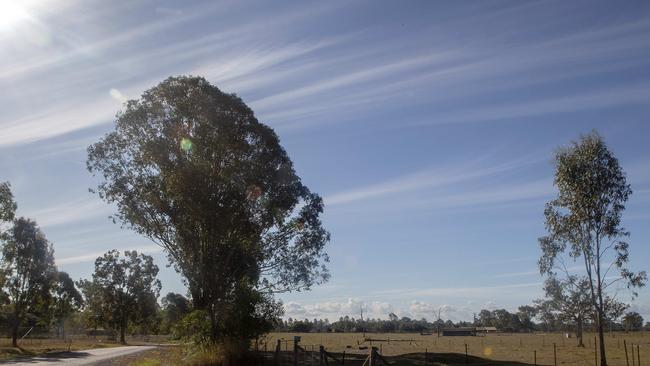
<point>524,320</point>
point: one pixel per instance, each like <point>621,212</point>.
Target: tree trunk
<point>122,331</point>
<point>14,334</point>
<point>14,329</point>
<point>579,333</point>
<point>214,325</point>
<point>601,339</point>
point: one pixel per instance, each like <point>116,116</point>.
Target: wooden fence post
<point>633,361</point>
<point>535,357</point>
<point>322,355</point>
<point>554,355</point>
<point>343,360</point>
<point>296,341</point>
<point>627,360</point>
<point>638,355</point>
<point>426,358</point>
<point>372,356</point>
<point>595,353</point>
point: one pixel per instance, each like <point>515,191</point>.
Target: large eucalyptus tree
<point>190,167</point>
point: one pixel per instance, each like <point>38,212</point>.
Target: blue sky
<point>429,127</point>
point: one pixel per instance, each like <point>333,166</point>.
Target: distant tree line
<point>528,318</point>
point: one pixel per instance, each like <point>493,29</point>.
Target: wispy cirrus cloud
<point>90,257</point>
<point>437,178</point>
<point>68,212</point>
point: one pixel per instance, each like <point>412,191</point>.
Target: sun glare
<point>11,13</point>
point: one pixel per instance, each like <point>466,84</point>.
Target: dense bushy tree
<point>28,273</point>
<point>174,308</point>
<point>191,168</point>
<point>123,290</point>
<point>584,221</point>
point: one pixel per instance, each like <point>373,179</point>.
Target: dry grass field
<point>504,347</point>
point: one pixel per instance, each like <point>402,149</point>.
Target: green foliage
<point>174,308</point>
<point>191,168</point>
<point>7,203</point>
<point>194,328</point>
<point>66,300</point>
<point>123,290</point>
<point>301,327</point>
<point>93,311</point>
<point>29,273</point>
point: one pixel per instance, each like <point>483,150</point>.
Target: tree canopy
<point>190,167</point>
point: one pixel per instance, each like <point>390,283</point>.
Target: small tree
<point>174,307</point>
<point>125,287</point>
<point>29,273</point>
<point>66,300</point>
<point>584,222</point>
<point>633,321</point>
<point>93,308</point>
<point>526,314</point>
<point>571,301</point>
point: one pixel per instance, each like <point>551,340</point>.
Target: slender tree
<point>124,287</point>
<point>584,222</point>
<point>66,300</point>
<point>29,272</point>
<point>191,168</point>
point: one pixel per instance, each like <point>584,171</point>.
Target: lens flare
<point>186,145</point>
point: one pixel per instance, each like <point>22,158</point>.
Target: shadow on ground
<point>409,359</point>
<point>45,357</point>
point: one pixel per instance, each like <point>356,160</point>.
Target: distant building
<point>458,332</point>
<point>486,330</point>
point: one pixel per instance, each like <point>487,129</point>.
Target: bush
<point>194,328</point>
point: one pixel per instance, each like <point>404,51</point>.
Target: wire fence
<point>448,351</point>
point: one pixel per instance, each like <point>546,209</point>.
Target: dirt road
<point>79,358</point>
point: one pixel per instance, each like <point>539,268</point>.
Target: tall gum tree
<point>190,167</point>
<point>584,223</point>
<point>28,272</point>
